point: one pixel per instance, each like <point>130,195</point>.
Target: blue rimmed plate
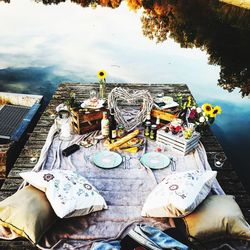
<point>107,159</point>
<point>155,160</point>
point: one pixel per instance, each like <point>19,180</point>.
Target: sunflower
<point>216,111</point>
<point>207,108</point>
<point>101,74</point>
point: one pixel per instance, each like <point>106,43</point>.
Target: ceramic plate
<point>155,160</point>
<point>86,104</point>
<point>107,159</point>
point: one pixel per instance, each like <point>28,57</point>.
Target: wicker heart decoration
<point>119,99</point>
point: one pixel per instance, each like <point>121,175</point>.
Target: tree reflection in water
<point>222,30</point>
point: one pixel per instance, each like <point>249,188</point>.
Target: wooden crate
<point>165,115</point>
<point>87,120</point>
<point>178,142</point>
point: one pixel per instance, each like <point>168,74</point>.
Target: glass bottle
<point>105,125</point>
<point>153,131</point>
<point>148,117</point>
<point>147,128</point>
<point>112,125</point>
<point>158,122</point>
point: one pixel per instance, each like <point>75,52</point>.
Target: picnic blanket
<point>124,188</point>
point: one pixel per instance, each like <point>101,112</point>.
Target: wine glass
<point>219,159</point>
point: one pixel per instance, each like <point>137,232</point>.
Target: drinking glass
<point>219,160</point>
<point>161,147</point>
<point>93,98</point>
<point>93,95</point>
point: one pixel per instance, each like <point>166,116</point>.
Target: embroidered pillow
<point>178,194</point>
<point>69,193</point>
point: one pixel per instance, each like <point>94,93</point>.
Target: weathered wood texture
<point>226,176</point>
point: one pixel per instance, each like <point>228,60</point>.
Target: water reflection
<point>211,26</point>
<point>30,80</point>
<point>223,31</point>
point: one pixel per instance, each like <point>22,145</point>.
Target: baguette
<point>124,139</point>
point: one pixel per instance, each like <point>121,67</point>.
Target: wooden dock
<point>226,176</point>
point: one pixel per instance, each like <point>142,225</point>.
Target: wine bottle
<point>112,125</point>
<point>105,124</point>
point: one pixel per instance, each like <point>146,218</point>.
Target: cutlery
<point>173,163</point>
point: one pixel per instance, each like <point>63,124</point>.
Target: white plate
<point>155,160</point>
<point>86,103</point>
<point>107,159</point>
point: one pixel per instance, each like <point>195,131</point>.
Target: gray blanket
<point>124,188</point>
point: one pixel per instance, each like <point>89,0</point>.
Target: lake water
<point>202,43</point>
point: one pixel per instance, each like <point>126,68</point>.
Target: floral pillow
<point>69,193</point>
<point>179,194</point>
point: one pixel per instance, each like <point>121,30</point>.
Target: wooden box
<point>87,120</point>
<point>165,115</point>
<point>178,142</point>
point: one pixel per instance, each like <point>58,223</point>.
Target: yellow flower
<point>189,103</point>
<point>216,111</point>
<point>101,74</point>
<point>207,108</point>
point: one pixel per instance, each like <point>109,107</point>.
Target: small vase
<point>102,90</point>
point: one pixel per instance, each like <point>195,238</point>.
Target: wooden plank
<point>5,194</point>
<point>11,184</point>
<point>16,244</point>
<point>14,173</point>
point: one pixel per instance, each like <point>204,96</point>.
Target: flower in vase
<point>102,80</point>
<point>202,119</point>
<point>216,111</point>
<point>102,75</point>
<point>193,114</point>
<point>198,110</point>
<point>207,108</point>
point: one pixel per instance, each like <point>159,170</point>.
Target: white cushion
<point>179,194</point>
<point>69,193</point>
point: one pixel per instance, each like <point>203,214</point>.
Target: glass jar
<point>147,128</point>
<point>153,131</point>
<point>120,131</point>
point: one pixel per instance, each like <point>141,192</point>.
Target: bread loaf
<point>124,139</point>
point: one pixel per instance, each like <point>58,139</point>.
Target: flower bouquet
<point>204,115</point>
<point>195,117</point>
